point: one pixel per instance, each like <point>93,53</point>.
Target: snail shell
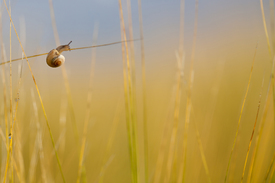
<point>54,57</point>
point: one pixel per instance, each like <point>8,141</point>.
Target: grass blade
<point>250,142</point>
<point>53,143</point>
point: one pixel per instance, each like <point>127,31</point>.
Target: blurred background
<point>229,34</point>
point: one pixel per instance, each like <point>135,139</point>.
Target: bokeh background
<point>228,33</point>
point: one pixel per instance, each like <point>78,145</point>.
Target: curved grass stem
<point>42,105</point>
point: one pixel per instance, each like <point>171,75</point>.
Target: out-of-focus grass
<point>124,141</point>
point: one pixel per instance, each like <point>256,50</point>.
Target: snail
<point>54,57</point>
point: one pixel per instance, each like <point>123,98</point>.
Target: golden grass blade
<point>33,162</point>
<point>271,174</point>
<point>272,25</point>
<point>202,152</point>
<point>56,37</point>
<point>88,107</point>
<point>240,117</point>
<point>59,164</point>
<point>4,85</point>
<point>269,171</point>
<point>11,111</point>
<point>265,29</point>
<point>180,59</point>
<point>172,146</point>
<point>127,108</point>
<point>250,142</point>
<point>15,166</point>
<point>262,123</point>
<point>269,49</point>
<point>110,140</point>
<point>132,72</point>
<point>144,98</point>
<point>132,118</point>
<point>62,123</point>
<point>190,83</point>
<point>200,149</point>
<point>164,140</point>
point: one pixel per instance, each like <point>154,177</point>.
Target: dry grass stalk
<point>4,84</point>
<point>132,113</point>
<point>79,48</point>
<point>190,83</point>
<point>110,140</point>
<point>39,99</point>
<point>240,117</point>
<point>260,132</point>
<point>172,146</point>
<point>250,142</point>
<point>144,98</point>
<point>202,152</point>
<point>180,61</point>
<point>164,141</point>
<point>88,108</point>
<point>6,147</point>
<point>11,109</point>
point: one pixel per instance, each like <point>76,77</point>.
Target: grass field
<point>151,91</point>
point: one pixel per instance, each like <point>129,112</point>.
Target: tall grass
<point>154,133</point>
<point>129,99</point>
<point>10,145</point>
<point>88,109</point>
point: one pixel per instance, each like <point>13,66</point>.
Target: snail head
<point>62,48</point>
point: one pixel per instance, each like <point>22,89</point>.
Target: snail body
<point>54,57</point>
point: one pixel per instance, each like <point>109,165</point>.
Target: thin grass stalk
<point>131,99</point>
<point>64,74</point>
<point>45,175</point>
<point>271,175</point>
<point>11,111</point>
<point>88,107</point>
<point>133,77</point>
<point>34,156</point>
<point>180,59</point>
<point>4,85</point>
<point>270,54</point>
<point>127,108</point>
<point>110,140</point>
<point>240,117</point>
<point>250,142</point>
<point>79,48</point>
<point>200,149</point>
<point>262,123</point>
<point>15,115</point>
<point>144,96</point>
<point>33,162</point>
<point>42,105</point>
<point>202,153</point>
<point>171,150</point>
<point>164,141</point>
<point>265,28</point>
<point>181,47</point>
<point>132,52</point>
<point>20,70</point>
<point>62,123</point>
<point>15,166</point>
<point>190,83</point>
<point>105,166</point>
<point>258,140</point>
<point>272,25</point>
<point>270,168</point>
